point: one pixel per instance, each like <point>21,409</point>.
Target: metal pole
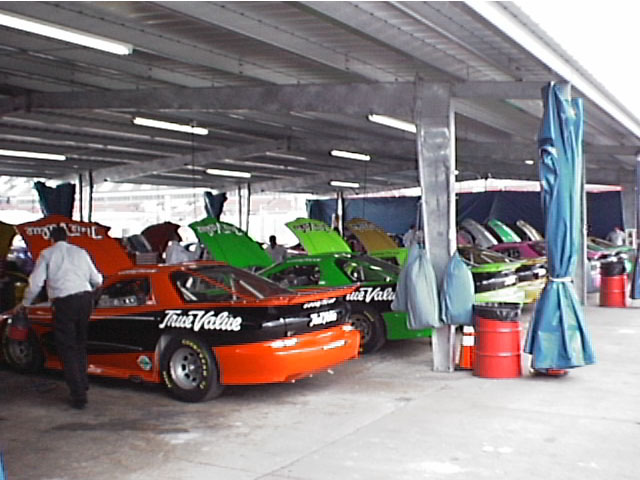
<point>80,196</point>
<point>90,207</point>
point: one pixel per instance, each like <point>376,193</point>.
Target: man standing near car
<point>70,277</point>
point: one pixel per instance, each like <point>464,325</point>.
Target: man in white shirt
<point>70,277</point>
<point>278,252</point>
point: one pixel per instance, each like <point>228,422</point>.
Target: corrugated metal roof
<point>211,53</point>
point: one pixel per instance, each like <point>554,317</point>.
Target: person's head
<point>58,234</point>
<point>272,240</point>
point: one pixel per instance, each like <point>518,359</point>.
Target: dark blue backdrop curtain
<point>557,337</point>
<point>396,214</point>
<point>56,201</point>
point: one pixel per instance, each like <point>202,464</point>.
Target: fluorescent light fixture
<point>392,122</point>
<point>338,183</point>
<point>65,34</point>
<point>228,173</point>
<point>285,156</point>
<point>38,155</point>
<point>529,162</point>
<point>177,127</point>
<point>363,157</point>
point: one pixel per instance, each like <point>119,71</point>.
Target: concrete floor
<point>384,416</point>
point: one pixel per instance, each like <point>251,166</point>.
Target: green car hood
<point>317,237</point>
<point>399,255</point>
<point>227,243</point>
<point>505,233</point>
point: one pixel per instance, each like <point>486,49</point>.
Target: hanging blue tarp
<point>457,293</point>
<point>557,336</point>
<point>634,293</point>
<point>417,291</point>
<point>213,204</point>
<point>56,201</point>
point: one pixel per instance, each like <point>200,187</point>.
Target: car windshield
<point>479,256</point>
<point>224,283</point>
<point>540,248</point>
<point>367,269</point>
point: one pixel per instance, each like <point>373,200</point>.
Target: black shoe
<point>78,403</point>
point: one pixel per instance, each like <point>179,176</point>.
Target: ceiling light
<point>38,155</point>
<point>529,162</point>
<point>338,183</point>
<point>228,173</point>
<point>350,155</point>
<point>392,122</point>
<point>177,127</point>
<point>65,34</point>
<point>285,156</point>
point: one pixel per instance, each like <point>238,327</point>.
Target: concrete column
<point>435,138</point>
<point>628,185</point>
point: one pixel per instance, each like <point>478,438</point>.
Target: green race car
<point>329,264</point>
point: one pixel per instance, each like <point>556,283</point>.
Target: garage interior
<point>278,86</point>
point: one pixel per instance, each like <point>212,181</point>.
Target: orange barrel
<point>613,284</point>
<point>613,291</point>
<point>498,347</point>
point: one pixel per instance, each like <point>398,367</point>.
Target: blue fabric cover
<point>417,291</point>
<point>557,336</point>
<point>457,293</point>
<point>56,201</point>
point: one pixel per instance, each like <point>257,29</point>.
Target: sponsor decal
<point>312,227</point>
<point>73,230</point>
<point>199,319</point>
<point>319,303</point>
<point>219,228</point>
<point>371,294</point>
<point>360,227</point>
<point>144,363</point>
<point>322,318</point>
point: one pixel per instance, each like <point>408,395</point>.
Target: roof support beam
<point>349,99</point>
<point>393,98</point>
<point>120,173</point>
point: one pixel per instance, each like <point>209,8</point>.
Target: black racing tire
<point>189,369</point>
<point>23,356</point>
<point>371,327</point>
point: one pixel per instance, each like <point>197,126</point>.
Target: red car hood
<point>108,253</point>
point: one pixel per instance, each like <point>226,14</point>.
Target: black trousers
<point>71,317</point>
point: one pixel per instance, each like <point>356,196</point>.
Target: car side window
<point>358,271</point>
<point>297,276</point>
<point>126,293</point>
<point>194,288</point>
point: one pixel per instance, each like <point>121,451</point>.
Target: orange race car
<point>196,327</point>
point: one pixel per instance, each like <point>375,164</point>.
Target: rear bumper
<point>271,362</point>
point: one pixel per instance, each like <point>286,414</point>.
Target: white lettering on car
<point>322,318</point>
<point>319,303</point>
<point>72,229</point>
<point>199,319</point>
<point>369,294</point>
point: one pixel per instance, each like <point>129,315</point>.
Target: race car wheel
<point>24,356</point>
<point>190,370</point>
<point>371,327</point>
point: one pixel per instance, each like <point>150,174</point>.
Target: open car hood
<point>227,243</point>
<point>107,253</point>
<point>372,237</point>
<point>7,232</point>
<point>317,237</point>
